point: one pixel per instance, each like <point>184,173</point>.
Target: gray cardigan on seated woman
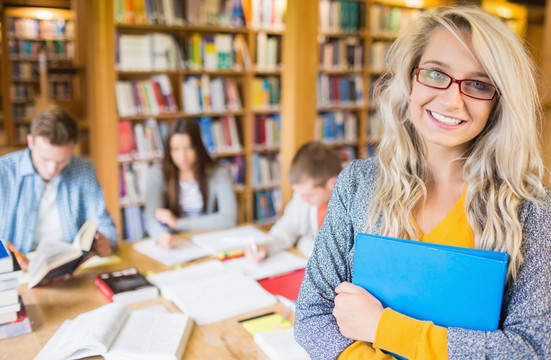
<point>221,210</point>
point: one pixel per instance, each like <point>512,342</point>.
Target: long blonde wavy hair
<point>503,167</point>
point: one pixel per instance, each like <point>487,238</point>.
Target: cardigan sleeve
<point>525,325</point>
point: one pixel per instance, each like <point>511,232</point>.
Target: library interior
<point>260,78</point>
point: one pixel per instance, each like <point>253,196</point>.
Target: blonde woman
<point>459,165</point>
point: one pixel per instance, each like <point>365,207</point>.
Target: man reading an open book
<point>47,193</point>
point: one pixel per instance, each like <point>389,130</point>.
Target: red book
<point>159,96</point>
<point>226,132</point>
<point>261,130</point>
<point>127,144</point>
<point>287,285</point>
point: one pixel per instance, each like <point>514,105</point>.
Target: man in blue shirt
<point>47,193</point>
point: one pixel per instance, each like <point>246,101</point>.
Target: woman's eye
<point>479,86</point>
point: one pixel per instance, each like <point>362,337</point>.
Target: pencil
<point>20,257</point>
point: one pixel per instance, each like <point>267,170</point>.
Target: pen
<point>256,317</point>
<point>254,246</point>
<point>166,227</point>
<point>20,257</point>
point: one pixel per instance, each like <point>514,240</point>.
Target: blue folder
<point>448,285</point>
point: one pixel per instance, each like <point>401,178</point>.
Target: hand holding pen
<point>255,252</point>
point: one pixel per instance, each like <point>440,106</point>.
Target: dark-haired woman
<point>189,192</point>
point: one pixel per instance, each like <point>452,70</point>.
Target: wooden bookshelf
<point>105,72</point>
<point>44,63</point>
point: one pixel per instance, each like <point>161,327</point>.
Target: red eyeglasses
<point>436,79</point>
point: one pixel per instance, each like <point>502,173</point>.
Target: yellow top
<point>403,335</point>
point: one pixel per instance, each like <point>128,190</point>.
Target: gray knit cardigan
<point>525,325</point>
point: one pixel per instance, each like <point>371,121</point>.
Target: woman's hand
<point>166,241</point>
<point>357,312</point>
<point>166,217</point>
<point>257,256</point>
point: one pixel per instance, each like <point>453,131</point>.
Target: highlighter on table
<point>231,254</point>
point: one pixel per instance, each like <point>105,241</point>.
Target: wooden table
<point>50,305</point>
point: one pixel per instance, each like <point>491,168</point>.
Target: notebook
<point>279,263</point>
<point>215,242</point>
<point>280,345</point>
<point>448,285</point>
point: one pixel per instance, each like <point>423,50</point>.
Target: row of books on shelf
<point>338,126</point>
<point>24,70</point>
<point>265,14</point>
<point>149,12</point>
<point>268,51</point>
<point>30,49</point>
<point>267,131</point>
<point>377,55</point>
<point>61,89</point>
<point>132,182</point>
<point>160,51</point>
<point>390,20</point>
<point>21,112</point>
<point>141,141</point>
<point>341,16</point>
<point>259,14</point>
<point>202,94</point>
<point>59,49</point>
<point>236,167</point>
<point>21,91</point>
<point>24,48</point>
<point>339,90</point>
<point>13,317</point>
<point>265,169</point>
<point>267,205</point>
<point>147,52</point>
<point>40,28</point>
<point>220,135</point>
<point>145,97</point>
<point>134,223</point>
<point>217,52</point>
<point>171,12</point>
<point>266,92</point>
<point>341,53</point>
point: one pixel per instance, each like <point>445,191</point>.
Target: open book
<point>211,292</point>
<point>55,260</point>
<point>115,332</point>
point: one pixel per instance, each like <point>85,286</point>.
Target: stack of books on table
<point>13,317</point>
